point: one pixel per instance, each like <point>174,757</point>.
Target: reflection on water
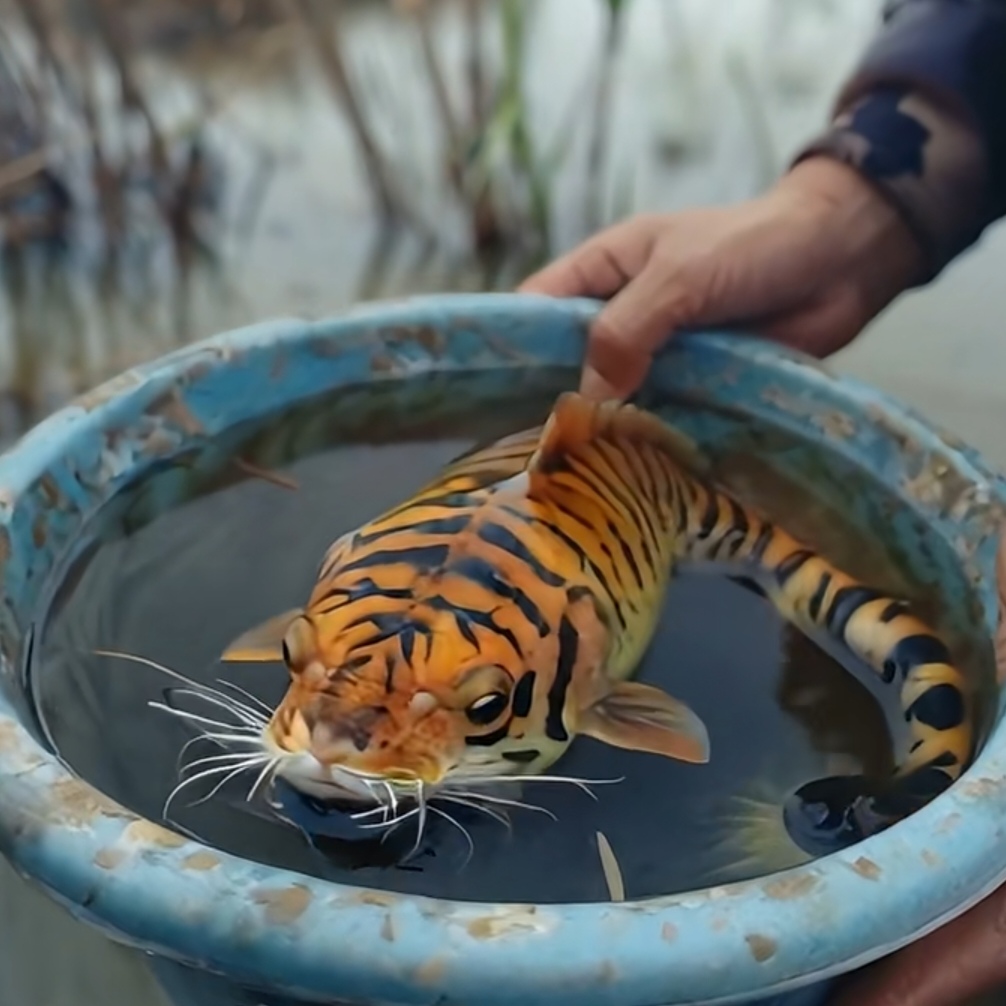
<point>168,170</point>
<point>177,589</point>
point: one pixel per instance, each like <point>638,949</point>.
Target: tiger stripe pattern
<point>478,627</point>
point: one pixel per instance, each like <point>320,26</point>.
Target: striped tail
<point>832,813</point>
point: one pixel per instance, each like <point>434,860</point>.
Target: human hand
<point>807,264</point>
<point>966,957</point>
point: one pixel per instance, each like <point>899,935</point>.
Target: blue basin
<point>222,929</point>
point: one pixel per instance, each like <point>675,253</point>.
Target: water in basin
<point>177,588</point>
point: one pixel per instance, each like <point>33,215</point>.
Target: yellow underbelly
<point>630,644</point>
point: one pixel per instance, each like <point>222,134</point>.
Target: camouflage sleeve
<point>923,118</point>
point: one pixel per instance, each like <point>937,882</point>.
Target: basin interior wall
<point>211,933</point>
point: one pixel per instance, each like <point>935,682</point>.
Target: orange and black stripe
<point>603,501</point>
<point>882,632</point>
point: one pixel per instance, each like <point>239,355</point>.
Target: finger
<point>614,379</point>
<point>599,267</point>
<point>963,958</point>
<point>632,327</point>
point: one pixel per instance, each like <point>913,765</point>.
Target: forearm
<point>923,118</point>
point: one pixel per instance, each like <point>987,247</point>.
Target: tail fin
<point>748,834</point>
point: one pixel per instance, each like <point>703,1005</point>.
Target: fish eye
<point>487,708</point>
<point>298,643</point>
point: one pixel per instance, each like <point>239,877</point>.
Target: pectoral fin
<point>643,718</point>
<point>263,642</point>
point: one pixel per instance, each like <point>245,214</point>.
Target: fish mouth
<point>341,783</point>
<point>337,779</point>
<point>306,774</point>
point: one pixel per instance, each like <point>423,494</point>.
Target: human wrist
<point>923,156</point>
<point>946,61</point>
<point>872,243</point>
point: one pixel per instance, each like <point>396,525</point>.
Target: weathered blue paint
<point>298,936</point>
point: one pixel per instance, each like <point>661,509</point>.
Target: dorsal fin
<point>576,421</point>
<point>262,642</point>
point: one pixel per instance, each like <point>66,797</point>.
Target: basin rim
<point>301,935</point>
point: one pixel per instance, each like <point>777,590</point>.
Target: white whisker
<point>235,738</point>
<point>495,814</point>
<point>503,802</point>
<point>205,774</point>
<point>263,776</point>
<point>299,828</point>
<point>177,675</point>
<point>225,701</point>
<point>461,828</point>
<point>213,738</point>
<point>248,695</point>
<point>421,825</point>
<point>185,747</point>
<point>237,709</point>
<point>223,782</point>
<point>388,809</point>
<point>391,824</point>
<point>219,740</point>
<point>582,784</point>
<point>184,714</point>
<point>147,662</point>
<point>374,789</point>
<point>389,831</point>
<point>232,756</point>
<point>392,798</point>
<point>361,815</point>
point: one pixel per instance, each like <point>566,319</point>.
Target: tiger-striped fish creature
<point>474,631</point>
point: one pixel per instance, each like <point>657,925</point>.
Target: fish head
<point>445,698</point>
<point>431,702</point>
<point>442,696</point>
<point>348,718</point>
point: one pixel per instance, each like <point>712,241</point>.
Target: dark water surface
<point>177,589</point>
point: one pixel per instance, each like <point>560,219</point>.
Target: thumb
<point>633,326</point>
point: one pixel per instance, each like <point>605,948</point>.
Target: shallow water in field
<point>178,588</point>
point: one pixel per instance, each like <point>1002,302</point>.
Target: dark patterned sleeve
<point>924,119</point>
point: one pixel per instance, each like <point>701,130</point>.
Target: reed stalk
<point>597,154</point>
<point>326,44</point>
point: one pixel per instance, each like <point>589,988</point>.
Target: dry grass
<point>492,166</point>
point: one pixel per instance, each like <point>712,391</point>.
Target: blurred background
<point>171,168</point>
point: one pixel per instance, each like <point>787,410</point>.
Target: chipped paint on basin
<point>216,922</point>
